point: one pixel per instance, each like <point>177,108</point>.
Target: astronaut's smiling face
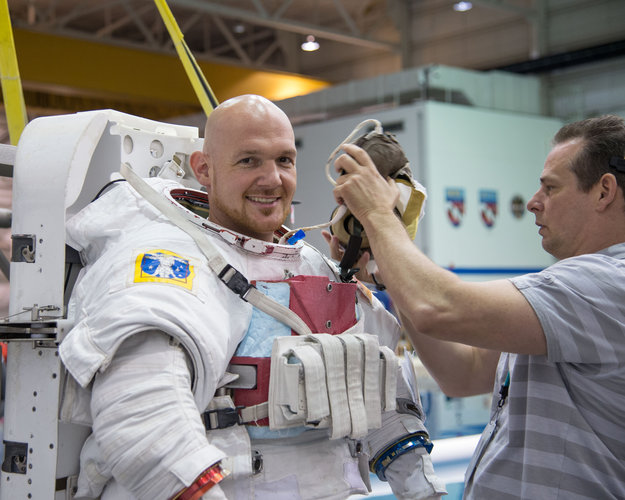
<point>250,168</point>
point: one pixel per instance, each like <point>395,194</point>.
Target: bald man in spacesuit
<point>159,339</point>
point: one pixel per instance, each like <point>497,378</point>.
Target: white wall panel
<point>482,152</point>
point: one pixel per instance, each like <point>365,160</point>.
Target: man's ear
<point>198,163</point>
<point>608,190</point>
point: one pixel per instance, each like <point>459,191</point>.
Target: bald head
<point>238,111</point>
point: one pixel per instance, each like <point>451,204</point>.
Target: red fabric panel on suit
<point>260,394</point>
<point>325,306</point>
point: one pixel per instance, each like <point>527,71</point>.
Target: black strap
<point>221,418</point>
<point>351,253</point>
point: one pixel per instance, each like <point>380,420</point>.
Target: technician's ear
<point>608,190</point>
<point>198,163</point>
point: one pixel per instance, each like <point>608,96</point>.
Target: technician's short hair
<point>604,138</point>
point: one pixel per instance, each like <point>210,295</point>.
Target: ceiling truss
<point>255,33</point>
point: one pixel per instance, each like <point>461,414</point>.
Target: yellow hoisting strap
<point>198,81</point>
<point>14,105</point>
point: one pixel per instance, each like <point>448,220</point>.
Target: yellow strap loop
<point>198,81</point>
<point>14,105</point>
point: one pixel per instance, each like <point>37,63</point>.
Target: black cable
<point>108,184</point>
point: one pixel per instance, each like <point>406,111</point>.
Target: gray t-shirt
<point>561,432</point>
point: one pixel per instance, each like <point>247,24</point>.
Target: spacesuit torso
<point>144,273</point>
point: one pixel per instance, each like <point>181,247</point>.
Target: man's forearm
<point>491,315</point>
<point>459,370</point>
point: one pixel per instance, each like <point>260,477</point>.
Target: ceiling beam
<point>231,40</point>
<point>289,25</point>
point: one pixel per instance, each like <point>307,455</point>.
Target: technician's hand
<point>362,187</point>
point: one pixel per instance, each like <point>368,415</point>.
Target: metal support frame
<point>61,162</point>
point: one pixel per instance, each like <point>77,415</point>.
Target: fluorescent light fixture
<point>310,44</point>
<point>463,6</point>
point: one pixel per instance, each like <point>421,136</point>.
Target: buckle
<point>221,418</point>
<point>234,280</point>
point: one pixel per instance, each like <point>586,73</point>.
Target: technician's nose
<point>534,205</point>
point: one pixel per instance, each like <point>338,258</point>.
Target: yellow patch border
<point>142,277</point>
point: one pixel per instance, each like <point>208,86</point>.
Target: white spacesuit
<point>152,354</point>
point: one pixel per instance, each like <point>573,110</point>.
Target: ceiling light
<point>239,28</point>
<point>463,6</point>
<point>310,44</point>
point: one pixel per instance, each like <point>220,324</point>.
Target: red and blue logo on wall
<point>488,206</point>
<point>454,199</point>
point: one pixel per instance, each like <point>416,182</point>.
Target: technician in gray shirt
<point>552,344</point>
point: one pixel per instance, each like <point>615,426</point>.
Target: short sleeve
<point>580,303</point>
